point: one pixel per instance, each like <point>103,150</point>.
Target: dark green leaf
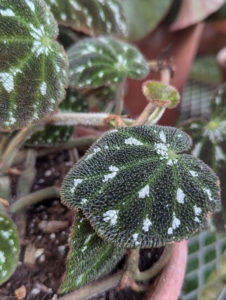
<point>104,60</point>
<point>54,135</point>
<point>93,17</point>
<point>9,248</point>
<point>143,17</point>
<point>138,191</point>
<point>90,257</point>
<point>33,66</point>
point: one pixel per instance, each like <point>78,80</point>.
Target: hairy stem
<point>33,198</point>
<point>119,99</point>
<point>94,288</point>
<point>15,144</point>
<point>133,263</point>
<point>146,113</point>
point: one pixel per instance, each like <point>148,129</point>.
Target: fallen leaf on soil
<point>20,293</point>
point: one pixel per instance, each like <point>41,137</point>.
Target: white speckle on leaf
<point>135,237</point>
<point>144,192</point>
<point>194,174</point>
<point>133,141</point>
<point>219,153</point>
<point>101,74</point>
<point>76,183</point>
<point>95,150</point>
<point>146,224</point>
<point>197,149</point>
<point>176,222</point>
<point>83,201</point>
<point>38,34</point>
<point>80,69</point>
<point>2,257</point>
<point>112,216</point>
<point>63,16</point>
<point>180,196</point>
<point>197,210</point>
<point>7,13</point>
<point>30,4</point>
<point>7,81</point>
<point>162,136</point>
<point>84,249</point>
<point>208,192</point>
<point>197,220</point>
<point>170,230</point>
<point>5,234</point>
<point>114,171</point>
<point>194,126</point>
<point>162,150</point>
<point>43,88</point>
<point>218,100</point>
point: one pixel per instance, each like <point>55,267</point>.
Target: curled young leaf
<point>92,17</point>
<point>90,256</point>
<point>9,248</point>
<point>161,94</point>
<point>33,66</point>
<point>102,61</point>
<point>139,190</point>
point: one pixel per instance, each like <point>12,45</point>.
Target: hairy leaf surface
<point>104,60</point>
<point>90,256</point>
<point>139,191</point>
<point>9,248</point>
<point>93,17</point>
<point>33,66</point>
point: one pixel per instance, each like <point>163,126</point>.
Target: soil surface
<point>45,247</point>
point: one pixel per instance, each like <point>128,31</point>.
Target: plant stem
<point>94,288</point>
<point>133,263</point>
<point>144,116</point>
<point>33,198</point>
<point>15,144</point>
<point>119,99</point>
<point>156,115</point>
<point>72,143</point>
<point>5,188</point>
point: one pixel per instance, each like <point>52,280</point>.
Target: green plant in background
<point>133,188</point>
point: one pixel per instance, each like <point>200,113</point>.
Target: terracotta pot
<point>183,44</point>
<point>167,285</point>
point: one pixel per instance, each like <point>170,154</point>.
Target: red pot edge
<point>168,284</point>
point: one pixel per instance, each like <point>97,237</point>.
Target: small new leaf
<point>90,257</point>
<point>33,66</point>
<point>140,191</point>
<point>160,94</point>
<point>91,17</point>
<point>102,61</point>
<point>9,248</point>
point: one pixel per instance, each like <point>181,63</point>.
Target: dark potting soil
<point>45,247</point>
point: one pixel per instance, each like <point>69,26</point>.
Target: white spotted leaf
<point>93,17</point>
<point>209,138</point>
<point>9,248</point>
<point>140,191</point>
<point>54,135</point>
<point>90,257</point>
<point>33,66</point>
<point>102,61</point>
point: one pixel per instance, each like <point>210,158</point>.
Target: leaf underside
<point>90,256</point>
<point>92,17</point>
<point>33,66</point>
<point>9,248</point>
<point>138,191</point>
<point>54,135</point>
<point>102,61</point>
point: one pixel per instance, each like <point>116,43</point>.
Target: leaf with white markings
<point>140,191</point>
<point>104,60</point>
<point>90,257</point>
<point>9,248</point>
<point>92,17</point>
<point>54,135</point>
<point>33,66</point>
<point>211,134</point>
